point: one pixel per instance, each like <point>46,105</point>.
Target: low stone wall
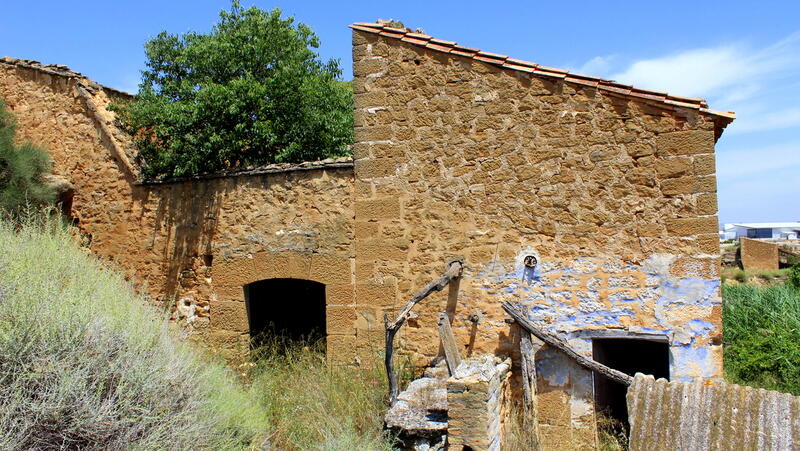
<point>475,402</point>
<point>702,416</point>
<point>759,254</point>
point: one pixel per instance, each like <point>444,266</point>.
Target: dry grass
<point>314,405</point>
<point>758,276</point>
<point>520,430</point>
<point>85,365</point>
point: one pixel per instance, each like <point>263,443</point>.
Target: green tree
<point>250,92</point>
<point>22,169</point>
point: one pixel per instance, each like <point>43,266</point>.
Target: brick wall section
<point>759,255</point>
<point>617,198</point>
<point>701,416</point>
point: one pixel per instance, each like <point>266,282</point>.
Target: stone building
<point>459,154</point>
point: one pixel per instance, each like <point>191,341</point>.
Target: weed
<point>521,429</point>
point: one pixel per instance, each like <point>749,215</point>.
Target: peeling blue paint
<point>560,305</point>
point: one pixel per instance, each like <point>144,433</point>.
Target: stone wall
<point>759,255</point>
<point>195,243</point>
<point>703,416</point>
<point>476,397</point>
<point>616,198</point>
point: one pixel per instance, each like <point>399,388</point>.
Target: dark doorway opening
<point>282,311</point>
<point>630,356</point>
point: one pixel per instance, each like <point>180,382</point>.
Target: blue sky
<point>740,56</point>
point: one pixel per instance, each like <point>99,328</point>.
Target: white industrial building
<point>761,230</point>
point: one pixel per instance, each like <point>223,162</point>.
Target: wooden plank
<point>451,354</point>
<point>789,253</point>
<point>528,348</point>
<point>559,344</point>
<point>528,367</point>
<point>453,272</point>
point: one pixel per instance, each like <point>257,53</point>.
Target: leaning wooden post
<point>451,354</point>
<point>527,351</point>
<point>453,272</point>
<point>556,342</point>
<point>528,348</point>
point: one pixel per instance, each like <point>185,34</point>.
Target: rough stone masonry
<point>458,154</point>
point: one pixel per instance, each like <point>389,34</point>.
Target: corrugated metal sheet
<point>710,416</point>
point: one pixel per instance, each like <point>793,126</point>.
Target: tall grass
<point>314,405</point>
<point>85,365</point>
<point>762,336</point>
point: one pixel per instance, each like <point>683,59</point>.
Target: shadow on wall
<point>185,221</point>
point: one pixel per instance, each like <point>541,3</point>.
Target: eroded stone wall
<point>616,198</point>
<point>192,244</point>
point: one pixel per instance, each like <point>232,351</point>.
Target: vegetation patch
<point>251,92</point>
<point>84,364</point>
<point>762,336</point>
<point>314,405</point>
<point>23,168</point>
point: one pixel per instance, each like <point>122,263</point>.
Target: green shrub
<point>794,276</point>
<point>251,92</point>
<point>22,168</point>
<point>762,336</point>
<point>84,364</point>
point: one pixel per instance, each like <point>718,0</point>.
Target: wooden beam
<point>789,253</point>
<point>451,354</point>
<point>528,350</point>
<point>559,344</point>
<point>453,271</point>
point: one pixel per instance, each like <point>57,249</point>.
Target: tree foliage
<point>22,169</point>
<point>251,92</point>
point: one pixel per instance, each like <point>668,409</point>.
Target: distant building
<point>761,230</point>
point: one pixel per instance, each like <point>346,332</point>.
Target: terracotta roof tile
<point>460,53</point>
<point>419,36</point>
<point>443,42</point>
<point>488,59</point>
<point>504,61</point>
<point>527,69</point>
<point>546,73</point>
<point>416,41</point>
<point>466,49</point>
<point>441,48</point>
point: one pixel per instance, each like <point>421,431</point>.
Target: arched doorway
<point>285,310</point>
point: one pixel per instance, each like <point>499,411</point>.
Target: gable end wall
<point>615,198</point>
